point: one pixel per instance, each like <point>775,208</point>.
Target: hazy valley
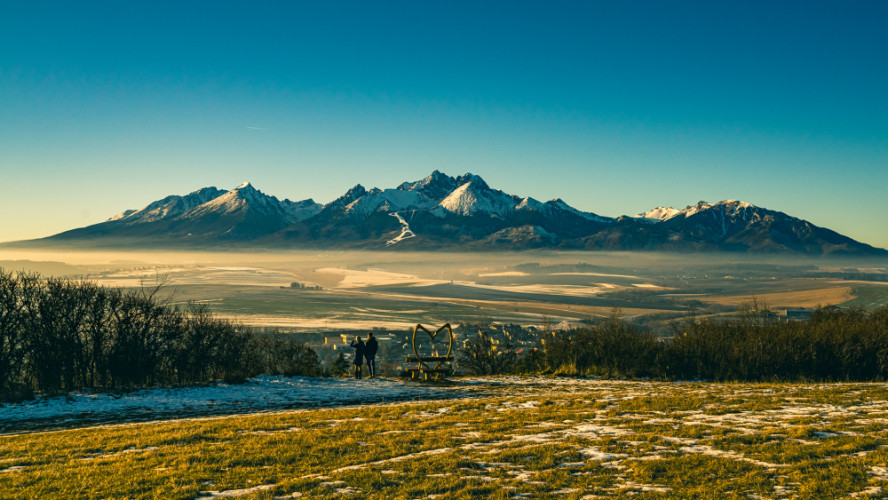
<point>323,297</point>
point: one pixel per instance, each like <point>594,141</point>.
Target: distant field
<point>801,298</point>
<point>533,438</point>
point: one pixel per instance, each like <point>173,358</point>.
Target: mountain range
<point>443,212</point>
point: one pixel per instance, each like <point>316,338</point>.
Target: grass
<point>539,438</point>
<point>869,296</point>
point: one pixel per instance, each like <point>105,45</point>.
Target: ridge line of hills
<point>443,212</point>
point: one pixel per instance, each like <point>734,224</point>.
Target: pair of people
<point>368,351</point>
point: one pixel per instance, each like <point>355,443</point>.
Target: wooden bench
<point>431,359</point>
<point>425,373</point>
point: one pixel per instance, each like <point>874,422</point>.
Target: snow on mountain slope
<point>388,200</point>
<point>346,199</point>
<point>474,197</point>
<point>229,202</point>
<point>246,196</point>
<point>530,204</point>
<point>406,232</point>
<point>122,215</point>
<point>727,207</point>
<point>553,207</point>
<point>694,209</point>
<point>434,187</point>
<point>658,214</point>
<point>170,206</point>
<point>560,204</point>
<point>300,210</point>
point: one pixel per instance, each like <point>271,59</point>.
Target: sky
<point>614,106</point>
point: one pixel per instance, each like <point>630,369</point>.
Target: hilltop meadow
<point>523,438</point>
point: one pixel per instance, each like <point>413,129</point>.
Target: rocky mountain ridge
<point>443,212</point>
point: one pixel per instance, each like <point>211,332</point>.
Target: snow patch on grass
<point>713,452</point>
<point>595,454</point>
<point>234,493</point>
<point>437,451</point>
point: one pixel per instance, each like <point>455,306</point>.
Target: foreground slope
<point>523,437</point>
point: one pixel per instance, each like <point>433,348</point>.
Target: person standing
<point>360,349</point>
<point>370,352</point>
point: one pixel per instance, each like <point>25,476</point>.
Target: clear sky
<point>615,106</point>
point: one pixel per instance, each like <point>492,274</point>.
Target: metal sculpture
<point>424,368</point>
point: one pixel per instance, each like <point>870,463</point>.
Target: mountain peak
<point>437,174</point>
<point>247,193</point>
<point>355,193</point>
<point>475,180</point>
<point>736,204</point>
<point>349,197</point>
<point>529,203</point>
<point>473,196</point>
<point>658,214</point>
<point>731,207</point>
<point>436,186</point>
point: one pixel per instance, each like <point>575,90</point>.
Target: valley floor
<point>509,437</point>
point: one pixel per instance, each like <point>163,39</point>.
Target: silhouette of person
<point>370,353</point>
<point>359,346</point>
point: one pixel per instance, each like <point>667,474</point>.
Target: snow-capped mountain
<point>243,213</point>
<point>170,206</point>
<point>440,211</point>
<point>658,214</point>
<point>474,197</point>
<point>387,200</point>
<point>730,225</point>
<point>247,198</point>
<point>436,186</point>
<point>556,205</point>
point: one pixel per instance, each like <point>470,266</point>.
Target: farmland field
<point>331,291</point>
<point>516,438</point>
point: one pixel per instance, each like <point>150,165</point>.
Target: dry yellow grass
<point>799,298</point>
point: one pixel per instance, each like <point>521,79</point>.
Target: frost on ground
<point>234,493</point>
<point>775,436</point>
<point>394,459</point>
<point>256,395</point>
<point>532,438</point>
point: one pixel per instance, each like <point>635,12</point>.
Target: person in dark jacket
<point>360,349</point>
<point>370,352</point>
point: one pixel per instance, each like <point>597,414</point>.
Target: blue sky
<point>616,107</point>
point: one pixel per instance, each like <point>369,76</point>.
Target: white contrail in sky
<point>256,128</point>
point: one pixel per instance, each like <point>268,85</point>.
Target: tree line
<point>58,335</point>
<point>833,345</point>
